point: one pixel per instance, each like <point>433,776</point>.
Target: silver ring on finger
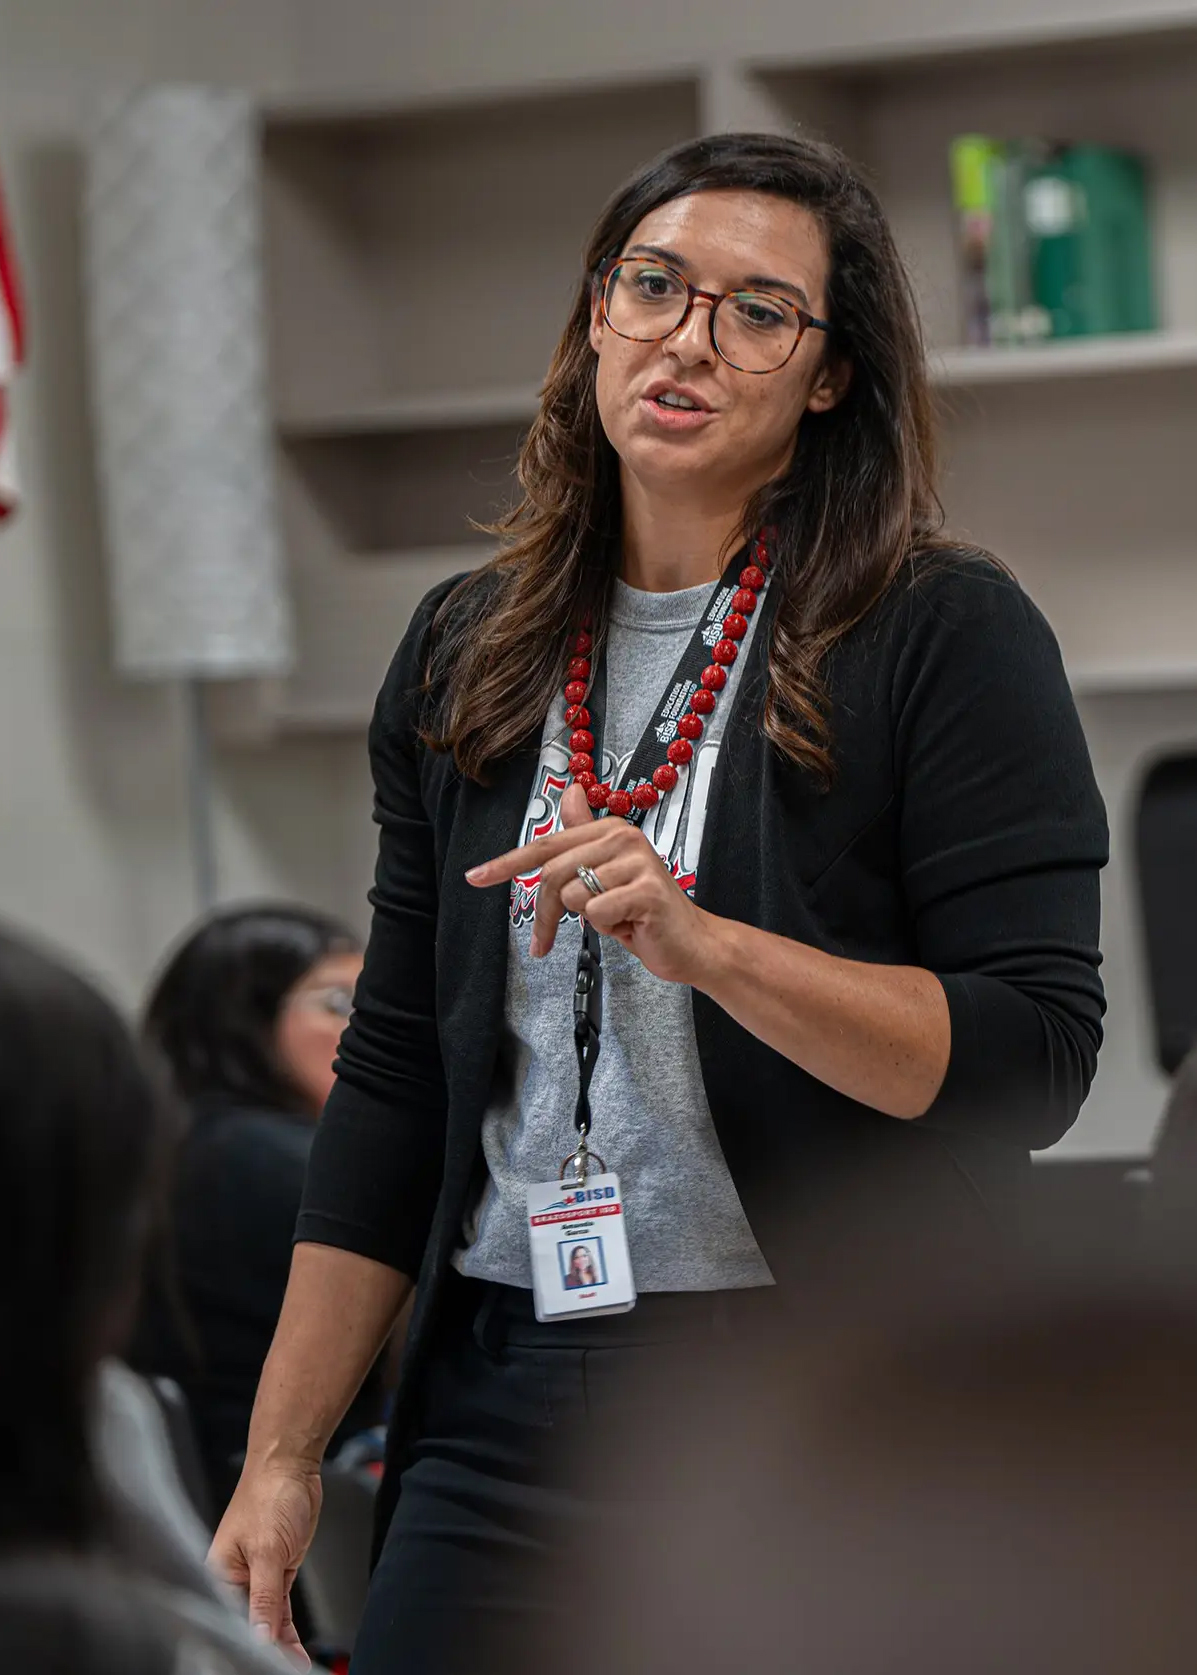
<point>590,880</point>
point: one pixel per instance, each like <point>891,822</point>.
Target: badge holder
<point>577,1229</point>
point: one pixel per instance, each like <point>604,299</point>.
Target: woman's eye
<point>758,312</point>
<point>653,283</point>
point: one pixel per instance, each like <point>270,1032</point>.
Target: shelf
<point>1129,679</point>
<point>517,404</point>
<point>439,251</point>
<point>1092,357</point>
<point>447,410</point>
<point>382,105</point>
<point>1000,45</point>
<point>351,613</point>
<point>394,491</point>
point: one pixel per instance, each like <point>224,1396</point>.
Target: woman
<point>88,1481</point>
<point>862,986</point>
<point>247,1014</point>
<point>580,1272</point>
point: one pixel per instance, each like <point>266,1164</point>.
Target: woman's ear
<point>596,318</point>
<point>831,386</point>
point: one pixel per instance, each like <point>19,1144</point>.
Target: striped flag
<point>12,352</point>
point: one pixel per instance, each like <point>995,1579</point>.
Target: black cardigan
<point>964,833</point>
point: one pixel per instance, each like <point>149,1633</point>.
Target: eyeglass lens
<point>753,330</point>
<point>336,1000</point>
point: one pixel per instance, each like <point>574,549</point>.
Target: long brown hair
<point>857,504</point>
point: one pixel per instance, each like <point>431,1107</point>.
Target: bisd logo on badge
<point>584,1195</point>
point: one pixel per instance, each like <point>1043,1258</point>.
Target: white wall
<point>93,834</point>
<point>92,813</point>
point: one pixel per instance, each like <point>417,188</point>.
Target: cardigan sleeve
<point>378,1154</point>
<point>1003,834</point>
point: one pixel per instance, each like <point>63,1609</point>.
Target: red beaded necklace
<point>690,726</point>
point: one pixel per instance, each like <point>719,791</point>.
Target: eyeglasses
<point>647,301</point>
<point>336,1000</point>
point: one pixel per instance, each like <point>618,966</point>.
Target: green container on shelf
<point>1089,233</point>
<point>1052,216</point>
<point>1116,256</point>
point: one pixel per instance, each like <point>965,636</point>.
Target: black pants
<point>465,1581</point>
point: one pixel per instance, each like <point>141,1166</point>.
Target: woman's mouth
<point>674,411</point>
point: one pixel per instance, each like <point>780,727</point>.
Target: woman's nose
<point>691,342</point>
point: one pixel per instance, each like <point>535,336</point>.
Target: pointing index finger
<point>530,856</point>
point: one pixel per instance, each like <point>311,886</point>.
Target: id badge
<point>579,1244</point>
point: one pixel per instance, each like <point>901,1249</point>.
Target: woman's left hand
<point>642,906</point>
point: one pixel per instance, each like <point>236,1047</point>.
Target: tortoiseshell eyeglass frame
<point>806,320</point>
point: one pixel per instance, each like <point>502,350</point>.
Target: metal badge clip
<point>582,1161</point>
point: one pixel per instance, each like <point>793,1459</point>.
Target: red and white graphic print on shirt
<point>674,827</point>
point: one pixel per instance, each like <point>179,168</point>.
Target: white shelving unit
<point>1069,459</point>
<point>420,262</point>
<point>438,410</point>
<point>422,259</point>
<point>1067,358</point>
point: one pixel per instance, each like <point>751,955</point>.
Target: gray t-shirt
<point>651,1123</point>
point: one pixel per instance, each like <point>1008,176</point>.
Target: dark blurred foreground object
<point>1011,1489</point>
<point>246,1012</point>
<point>85,1464</point>
<point>84,1142</point>
<point>1084,1214</point>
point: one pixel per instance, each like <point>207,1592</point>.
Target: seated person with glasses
<point>247,1014</point>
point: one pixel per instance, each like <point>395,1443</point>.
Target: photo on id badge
<point>582,1266</point>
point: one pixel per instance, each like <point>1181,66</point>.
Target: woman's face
<point>310,1023</point>
<point>719,241</point>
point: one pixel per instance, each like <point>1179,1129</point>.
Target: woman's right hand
<point>261,1543</point>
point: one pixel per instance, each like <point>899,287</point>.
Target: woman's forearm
<point>337,1315</point>
<point>878,1033</point>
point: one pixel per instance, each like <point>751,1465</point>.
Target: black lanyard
<point>660,732</point>
<point>588,1020</point>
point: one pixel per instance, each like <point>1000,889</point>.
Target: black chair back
<point>1167,868</point>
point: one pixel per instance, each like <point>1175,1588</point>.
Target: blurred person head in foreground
<point>86,1469</point>
<point>1013,1489</point>
<point>84,1134</point>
